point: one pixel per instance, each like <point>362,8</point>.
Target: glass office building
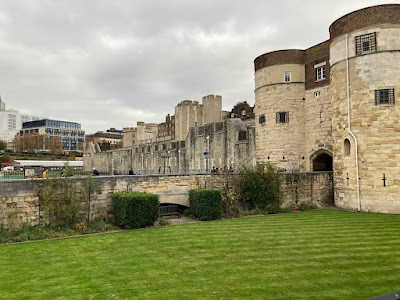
<point>70,133</point>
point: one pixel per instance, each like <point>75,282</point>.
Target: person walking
<point>95,172</point>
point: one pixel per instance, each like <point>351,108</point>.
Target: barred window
<point>385,96</point>
<point>282,117</point>
<point>366,43</point>
<point>261,119</point>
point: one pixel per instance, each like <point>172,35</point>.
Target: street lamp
<point>207,152</point>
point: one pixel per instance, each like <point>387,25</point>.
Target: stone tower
<point>365,88</point>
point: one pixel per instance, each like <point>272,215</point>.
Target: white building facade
<point>11,122</point>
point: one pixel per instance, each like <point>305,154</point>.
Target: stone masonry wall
<point>19,203</point>
<point>376,127</point>
<point>227,148</point>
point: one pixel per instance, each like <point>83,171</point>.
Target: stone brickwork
<point>282,144</point>
<point>19,203</point>
<point>331,129</point>
<point>376,127</point>
<point>232,144</point>
<point>318,124</point>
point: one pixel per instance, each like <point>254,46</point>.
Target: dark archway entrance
<point>323,162</point>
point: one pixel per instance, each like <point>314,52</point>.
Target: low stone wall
<point>19,203</point>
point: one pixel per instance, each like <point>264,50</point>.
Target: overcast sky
<point>113,63</point>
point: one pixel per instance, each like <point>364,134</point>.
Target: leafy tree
<point>3,145</point>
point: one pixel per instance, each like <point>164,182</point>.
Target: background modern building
<point>11,122</point>
<point>71,134</point>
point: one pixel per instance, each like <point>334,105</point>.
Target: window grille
<point>261,119</point>
<point>366,43</point>
<point>282,117</point>
<point>385,96</point>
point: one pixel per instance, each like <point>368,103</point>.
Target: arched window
<point>347,147</point>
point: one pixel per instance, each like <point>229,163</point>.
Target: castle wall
<point>227,148</point>
<point>376,127</point>
<point>370,38</point>
<point>282,144</point>
<point>19,203</point>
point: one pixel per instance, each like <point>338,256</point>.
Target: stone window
<point>347,147</point>
<point>261,119</point>
<point>182,144</point>
<point>317,94</point>
<point>164,146</point>
<point>242,136</point>
<point>384,97</point>
<point>173,145</point>
<point>282,117</point>
<point>288,77</point>
<point>366,43</point>
<point>155,147</point>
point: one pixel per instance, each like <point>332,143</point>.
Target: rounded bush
<point>205,204</point>
<point>135,209</point>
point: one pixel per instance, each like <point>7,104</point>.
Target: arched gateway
<point>322,161</point>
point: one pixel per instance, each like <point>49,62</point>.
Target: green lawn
<point>323,254</point>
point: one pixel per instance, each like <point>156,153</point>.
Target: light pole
<point>207,152</point>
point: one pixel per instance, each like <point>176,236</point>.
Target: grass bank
<point>323,254</point>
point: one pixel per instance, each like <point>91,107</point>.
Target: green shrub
<point>303,206</point>
<point>135,209</point>
<point>62,201</point>
<point>163,221</point>
<point>259,187</point>
<point>187,212</point>
<point>205,204</point>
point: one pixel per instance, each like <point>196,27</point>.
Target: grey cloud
<point>111,63</point>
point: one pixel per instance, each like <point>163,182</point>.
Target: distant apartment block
<point>11,122</point>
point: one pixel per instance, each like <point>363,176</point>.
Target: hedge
<point>135,209</point>
<point>205,204</point>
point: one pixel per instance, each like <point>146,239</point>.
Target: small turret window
<point>347,147</point>
<point>288,77</point>
<point>282,117</point>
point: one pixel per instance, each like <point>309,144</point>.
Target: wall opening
<point>323,162</point>
<point>347,147</point>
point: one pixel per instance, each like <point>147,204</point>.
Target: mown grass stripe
<point>328,254</point>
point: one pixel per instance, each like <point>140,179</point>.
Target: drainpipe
<point>349,122</point>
